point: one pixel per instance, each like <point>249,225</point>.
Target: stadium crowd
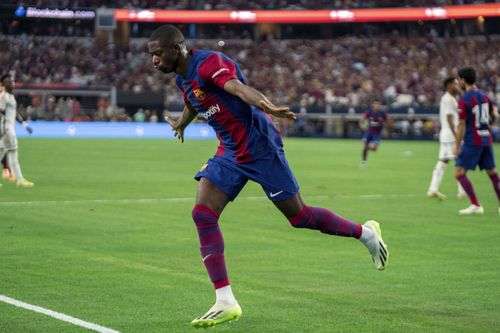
<point>347,71</point>
<point>241,4</point>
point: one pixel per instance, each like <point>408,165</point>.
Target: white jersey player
<point>448,118</point>
<point>8,140</point>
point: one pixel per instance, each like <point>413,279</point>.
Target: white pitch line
<point>191,199</point>
<point>57,315</point>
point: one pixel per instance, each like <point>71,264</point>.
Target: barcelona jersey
<point>245,132</point>
<point>476,109</point>
<point>376,121</point>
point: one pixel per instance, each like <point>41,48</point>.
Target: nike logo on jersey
<point>272,195</point>
<point>211,111</point>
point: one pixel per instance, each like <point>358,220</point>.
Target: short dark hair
<point>3,77</point>
<point>447,81</point>
<point>468,74</point>
<point>167,35</point>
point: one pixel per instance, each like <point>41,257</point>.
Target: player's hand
<point>277,111</point>
<point>178,131</point>
<point>457,151</point>
<point>29,130</point>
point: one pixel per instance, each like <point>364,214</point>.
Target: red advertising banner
<point>308,16</point>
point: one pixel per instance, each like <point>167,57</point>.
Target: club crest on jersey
<point>200,94</point>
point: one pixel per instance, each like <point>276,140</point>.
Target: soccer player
<point>448,118</point>
<point>251,148</point>
<point>8,142</point>
<point>475,112</point>
<point>372,123</point>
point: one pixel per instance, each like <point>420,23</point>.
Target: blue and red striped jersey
<point>245,132</point>
<point>476,109</point>
<point>376,121</point>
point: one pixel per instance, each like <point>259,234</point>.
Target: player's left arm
<point>254,97</point>
<point>460,131</point>
<point>23,123</point>
<point>493,112</point>
<point>222,73</point>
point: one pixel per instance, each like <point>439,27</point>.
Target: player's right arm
<point>362,121</point>
<point>187,116</point>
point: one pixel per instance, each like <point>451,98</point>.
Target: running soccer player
<point>372,123</point>
<point>250,148</point>
<point>448,118</point>
<point>475,112</point>
<point>8,142</point>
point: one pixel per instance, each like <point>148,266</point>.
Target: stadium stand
<point>242,4</point>
<point>344,72</point>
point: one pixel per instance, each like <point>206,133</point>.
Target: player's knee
<point>491,172</point>
<point>373,147</point>
<point>302,219</point>
<point>459,172</point>
<point>204,216</point>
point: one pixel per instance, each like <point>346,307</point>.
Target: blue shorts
<point>472,156</point>
<point>371,138</point>
<point>272,173</point>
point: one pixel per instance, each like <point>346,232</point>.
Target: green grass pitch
<point>106,236</point>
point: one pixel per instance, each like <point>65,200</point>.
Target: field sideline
<point>106,236</point>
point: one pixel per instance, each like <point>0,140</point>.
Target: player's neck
<point>472,87</point>
<point>183,64</point>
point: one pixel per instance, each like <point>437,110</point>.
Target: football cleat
<point>377,247</point>
<point>24,183</point>
<point>436,194</point>
<point>471,210</point>
<point>218,314</point>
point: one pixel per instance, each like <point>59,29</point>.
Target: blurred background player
<point>251,148</point>
<point>448,118</point>
<point>475,112</point>
<point>7,174</point>
<point>8,142</point>
<point>372,122</point>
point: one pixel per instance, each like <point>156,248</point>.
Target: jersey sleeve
<point>448,106</point>
<point>462,109</point>
<point>216,70</point>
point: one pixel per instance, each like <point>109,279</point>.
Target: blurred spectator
<point>139,116</point>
